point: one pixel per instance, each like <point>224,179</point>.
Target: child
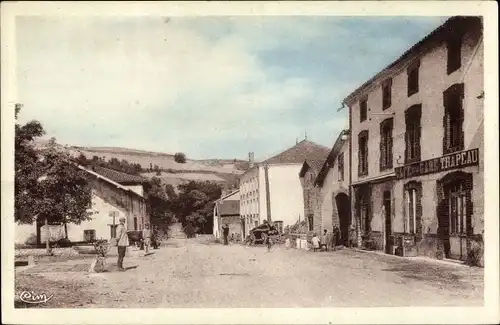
<point>146,236</point>
<point>323,243</point>
<point>315,242</point>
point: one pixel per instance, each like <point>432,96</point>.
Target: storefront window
<point>411,209</point>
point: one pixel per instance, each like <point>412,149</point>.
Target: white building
<point>114,195</point>
<point>227,211</point>
<point>280,199</point>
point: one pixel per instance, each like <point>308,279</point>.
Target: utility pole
<point>268,194</point>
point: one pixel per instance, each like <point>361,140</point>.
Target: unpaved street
<point>186,273</point>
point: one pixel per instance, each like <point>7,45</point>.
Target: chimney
<point>251,159</point>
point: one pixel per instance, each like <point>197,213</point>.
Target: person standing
<point>146,237</point>
<point>122,236</point>
<point>225,232</point>
<point>336,237</point>
<point>324,241</point>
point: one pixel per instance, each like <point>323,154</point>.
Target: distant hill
<point>224,171</point>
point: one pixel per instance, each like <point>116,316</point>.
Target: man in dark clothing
<point>336,237</point>
<point>225,232</point>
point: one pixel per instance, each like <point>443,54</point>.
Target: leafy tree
<point>194,204</point>
<point>48,187</point>
<point>158,204</point>
<point>180,158</point>
<point>82,160</point>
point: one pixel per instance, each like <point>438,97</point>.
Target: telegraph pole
<point>268,194</point>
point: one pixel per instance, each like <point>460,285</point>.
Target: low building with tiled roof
<point>271,190</point>
<point>112,199</point>
<point>133,182</point>
<point>227,211</point>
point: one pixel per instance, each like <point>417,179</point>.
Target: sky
<point>211,87</point>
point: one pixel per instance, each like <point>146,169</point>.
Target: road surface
<point>186,273</point>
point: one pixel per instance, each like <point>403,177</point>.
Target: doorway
<point>388,222</point>
<point>343,209</point>
<point>455,214</point>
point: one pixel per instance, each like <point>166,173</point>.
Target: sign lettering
<point>436,165</point>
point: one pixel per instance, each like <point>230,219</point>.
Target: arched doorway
<point>455,213</point>
<point>343,209</point>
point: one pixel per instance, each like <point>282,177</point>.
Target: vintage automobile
<point>259,235</point>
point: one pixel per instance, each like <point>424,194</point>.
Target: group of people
<point>334,240</point>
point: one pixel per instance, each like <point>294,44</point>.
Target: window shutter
<point>382,151</point>
<point>418,132</point>
<point>389,149</point>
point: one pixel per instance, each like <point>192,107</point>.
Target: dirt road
<point>190,274</point>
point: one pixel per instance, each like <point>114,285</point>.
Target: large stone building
<point>114,195</point>
<point>417,146</point>
<point>326,190</point>
<point>271,189</point>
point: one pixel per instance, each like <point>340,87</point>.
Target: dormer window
<point>454,57</point>
<point>413,76</point>
<point>386,94</point>
<point>363,109</point>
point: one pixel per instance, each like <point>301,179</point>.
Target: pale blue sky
<point>212,87</point>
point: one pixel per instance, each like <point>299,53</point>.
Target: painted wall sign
<point>436,165</point>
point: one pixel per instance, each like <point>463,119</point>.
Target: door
<point>343,210</point>
<point>458,226</point>
<point>388,222</point>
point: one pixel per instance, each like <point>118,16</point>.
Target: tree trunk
<point>66,230</point>
<point>47,238</point>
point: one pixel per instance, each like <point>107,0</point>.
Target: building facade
<point>312,195</point>
<point>271,190</point>
<point>333,184</point>
<point>110,202</point>
<point>417,147</point>
<point>227,211</point>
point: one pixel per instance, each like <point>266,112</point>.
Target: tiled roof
<point>229,208</point>
<point>119,177</point>
<point>329,161</point>
<point>314,164</point>
<point>304,150</point>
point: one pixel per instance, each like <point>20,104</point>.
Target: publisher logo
<point>30,297</point>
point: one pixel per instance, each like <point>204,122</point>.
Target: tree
<point>180,158</point>
<point>158,204</point>
<point>194,204</point>
<point>48,186</point>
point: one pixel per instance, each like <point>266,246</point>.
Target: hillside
<point>223,171</point>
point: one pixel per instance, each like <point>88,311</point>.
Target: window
<point>453,135</point>
<point>113,230</point>
<point>363,153</point>
<point>363,108</point>
<point>386,94</point>
<point>341,166</point>
<point>386,143</point>
<point>135,223</point>
<point>458,210</point>
<point>363,215</point>
<point>310,219</point>
<point>413,208</point>
<point>89,235</point>
<point>454,58</point>
<point>413,76</point>
<point>412,134</point>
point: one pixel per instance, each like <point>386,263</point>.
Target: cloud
<point>211,87</point>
